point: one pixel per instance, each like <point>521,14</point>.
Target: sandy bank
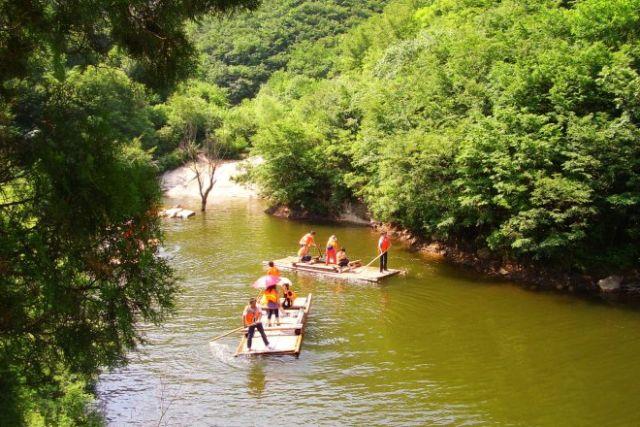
<point>182,184</point>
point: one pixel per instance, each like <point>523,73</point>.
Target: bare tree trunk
<point>205,185</point>
<point>210,155</point>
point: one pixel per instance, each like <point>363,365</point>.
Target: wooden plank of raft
<point>280,328</point>
<point>361,274</point>
<point>284,338</point>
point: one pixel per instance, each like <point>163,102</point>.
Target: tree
<point>505,126</point>
<point>204,160</point>
<point>78,193</point>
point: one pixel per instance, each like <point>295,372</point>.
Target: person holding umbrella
<point>270,297</point>
<point>271,300</point>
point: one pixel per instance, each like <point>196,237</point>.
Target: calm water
<point>437,347</point>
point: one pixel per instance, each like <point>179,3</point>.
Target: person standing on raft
<point>273,270</point>
<point>251,318</point>
<point>305,244</point>
<point>383,249</point>
<point>332,249</point>
<point>271,301</point>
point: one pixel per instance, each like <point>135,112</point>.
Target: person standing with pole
<point>251,319</point>
<point>305,244</point>
<point>383,249</point>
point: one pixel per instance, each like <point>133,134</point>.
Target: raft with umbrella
<point>286,338</point>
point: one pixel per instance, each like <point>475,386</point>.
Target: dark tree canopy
<point>151,32</point>
<point>78,230</point>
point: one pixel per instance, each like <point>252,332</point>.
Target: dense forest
<point>97,99</point>
<point>509,127</point>
<point>80,86</point>
<point>501,126</point>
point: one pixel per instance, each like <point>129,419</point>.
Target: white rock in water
<point>610,284</point>
<point>186,213</point>
<point>173,212</point>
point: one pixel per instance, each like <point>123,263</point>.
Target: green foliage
<point>192,113</point>
<point>81,32</point>
<point>77,269</point>
<point>241,52</point>
<point>78,192</point>
<point>507,125</point>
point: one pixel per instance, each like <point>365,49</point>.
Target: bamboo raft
<point>286,339</point>
<point>358,274</point>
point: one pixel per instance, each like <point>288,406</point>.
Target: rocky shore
<point>532,277</point>
<point>622,286</point>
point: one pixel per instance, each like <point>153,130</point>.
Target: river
<point>438,346</point>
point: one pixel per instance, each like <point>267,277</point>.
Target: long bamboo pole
<point>371,262</point>
<point>228,333</point>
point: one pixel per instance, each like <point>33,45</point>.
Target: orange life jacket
<point>273,271</point>
<point>271,295</point>
<point>252,317</point>
<point>384,244</point>
<point>289,295</point>
<point>307,240</point>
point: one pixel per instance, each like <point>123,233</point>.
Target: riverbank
<point>531,277</point>
<point>483,261</point>
<point>182,184</point>
<point>352,213</point>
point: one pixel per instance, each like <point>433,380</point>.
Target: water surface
<point>438,346</point>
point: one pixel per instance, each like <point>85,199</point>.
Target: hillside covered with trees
<point>241,52</point>
<point>507,126</point>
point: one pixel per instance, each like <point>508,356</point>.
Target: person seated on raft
<point>273,270</point>
<point>341,256</point>
<point>251,318</point>
<point>332,248</point>
<point>270,301</point>
<point>303,254</point>
<point>288,295</point>
<point>343,261</point>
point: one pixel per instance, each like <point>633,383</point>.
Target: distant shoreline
<point>181,184</point>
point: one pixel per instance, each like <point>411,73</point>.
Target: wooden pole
<point>371,262</point>
<point>228,333</point>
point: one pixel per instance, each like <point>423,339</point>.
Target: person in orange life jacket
<point>383,249</point>
<point>332,248</point>
<point>273,270</point>
<point>271,301</point>
<point>288,295</point>
<point>305,244</point>
<point>251,319</point>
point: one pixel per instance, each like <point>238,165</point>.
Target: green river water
<point>438,346</point>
